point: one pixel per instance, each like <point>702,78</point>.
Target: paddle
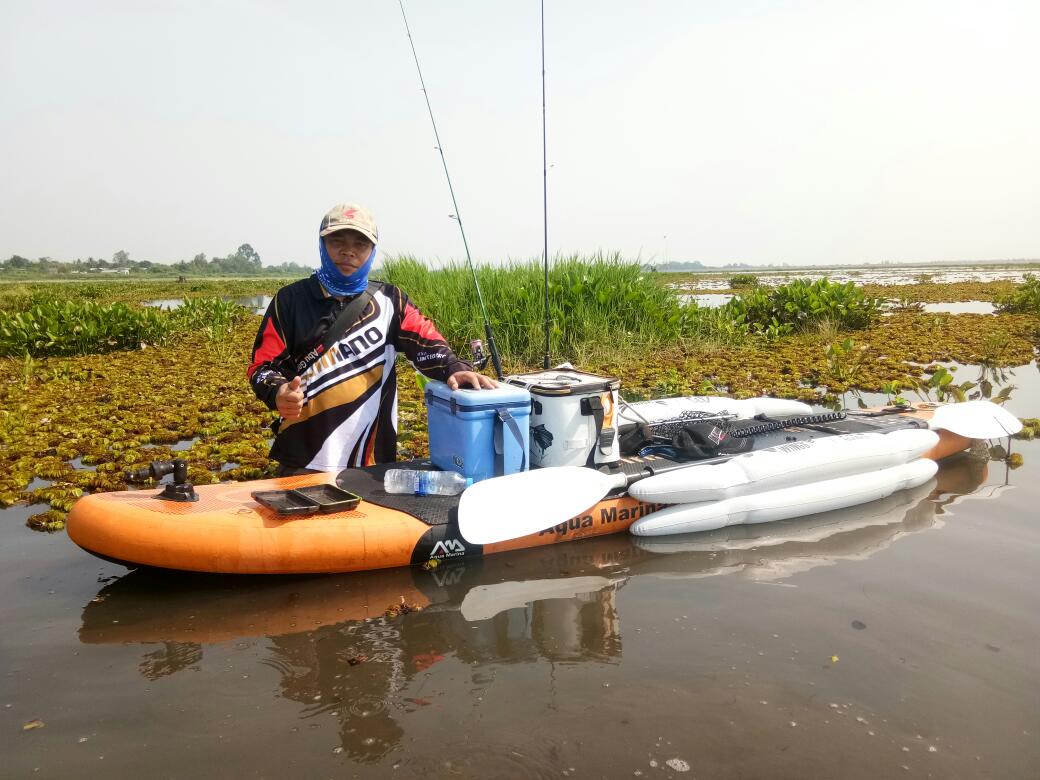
<point>516,505</point>
<point>976,420</point>
<point>524,503</point>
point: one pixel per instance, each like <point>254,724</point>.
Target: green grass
<point>598,306</point>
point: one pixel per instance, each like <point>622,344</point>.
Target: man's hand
<point>472,379</point>
<point>290,399</point>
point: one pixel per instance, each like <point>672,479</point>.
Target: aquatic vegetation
<point>940,381</point>
<point>86,327</point>
<point>799,305</point>
<point>743,280</point>
<point>48,522</point>
<point>1000,453</point>
<point>893,392</point>
<point>23,295</point>
<point>58,327</point>
<point>934,292</point>
<point>130,406</point>
<point>921,337</point>
<point>1030,429</point>
<point>1024,299</point>
<point>844,362</point>
<point>207,314</point>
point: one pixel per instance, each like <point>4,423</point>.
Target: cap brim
<point>338,228</point>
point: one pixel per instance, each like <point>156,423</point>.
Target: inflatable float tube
<point>786,465</point>
<point>786,503</point>
<point>710,405</point>
<point>227,531</point>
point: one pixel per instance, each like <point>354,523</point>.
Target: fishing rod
<point>545,202</point>
<point>457,216</point>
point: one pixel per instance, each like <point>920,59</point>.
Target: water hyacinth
<point>801,304</point>
<point>78,328</point>
<point>1024,299</point>
<point>86,327</point>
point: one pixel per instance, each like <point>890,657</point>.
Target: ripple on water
<point>502,760</point>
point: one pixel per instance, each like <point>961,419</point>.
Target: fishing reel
<point>480,357</point>
<point>179,490</point>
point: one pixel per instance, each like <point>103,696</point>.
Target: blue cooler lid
<point>469,399</point>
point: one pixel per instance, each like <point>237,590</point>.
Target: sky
<point>722,132</point>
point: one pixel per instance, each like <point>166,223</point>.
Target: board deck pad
<point>367,482</point>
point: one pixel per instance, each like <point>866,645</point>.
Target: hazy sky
<point>715,131</point>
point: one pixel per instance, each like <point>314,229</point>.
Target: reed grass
<point>598,305</point>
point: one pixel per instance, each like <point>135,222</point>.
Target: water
<point>879,275</point>
<point>708,301</point>
<point>715,300</point>
<point>904,633</point>
<point>255,303</point>
<point>961,307</point>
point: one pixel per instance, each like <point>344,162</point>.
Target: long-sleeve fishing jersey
<point>350,409</point>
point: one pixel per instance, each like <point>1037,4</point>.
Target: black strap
<point>344,322</point>
<point>593,405</point>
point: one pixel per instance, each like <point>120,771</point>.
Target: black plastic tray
<point>329,498</point>
<point>285,502</point>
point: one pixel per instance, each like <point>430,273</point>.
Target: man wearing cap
<point>338,405</point>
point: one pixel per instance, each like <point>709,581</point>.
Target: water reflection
<point>335,652</point>
<point>338,657</point>
<point>255,303</point>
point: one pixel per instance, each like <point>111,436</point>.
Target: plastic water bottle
<point>425,483</point>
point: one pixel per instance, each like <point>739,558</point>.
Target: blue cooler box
<point>478,433</point>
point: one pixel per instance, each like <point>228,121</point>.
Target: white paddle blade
<point>976,420</point>
<point>527,502</point>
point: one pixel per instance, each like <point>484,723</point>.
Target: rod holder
<point>180,490</point>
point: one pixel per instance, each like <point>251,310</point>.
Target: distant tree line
<point>693,265</point>
<point>242,262</point>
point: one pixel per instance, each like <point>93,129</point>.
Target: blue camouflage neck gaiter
<point>338,283</point>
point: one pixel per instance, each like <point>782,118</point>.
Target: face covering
<point>338,283</point>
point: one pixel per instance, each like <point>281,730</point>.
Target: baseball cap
<point>350,216</point>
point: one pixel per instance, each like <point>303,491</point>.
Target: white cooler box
<point>573,417</point>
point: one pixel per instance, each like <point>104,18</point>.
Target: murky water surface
<point>900,638</point>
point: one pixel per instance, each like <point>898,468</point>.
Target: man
<point>338,405</point>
